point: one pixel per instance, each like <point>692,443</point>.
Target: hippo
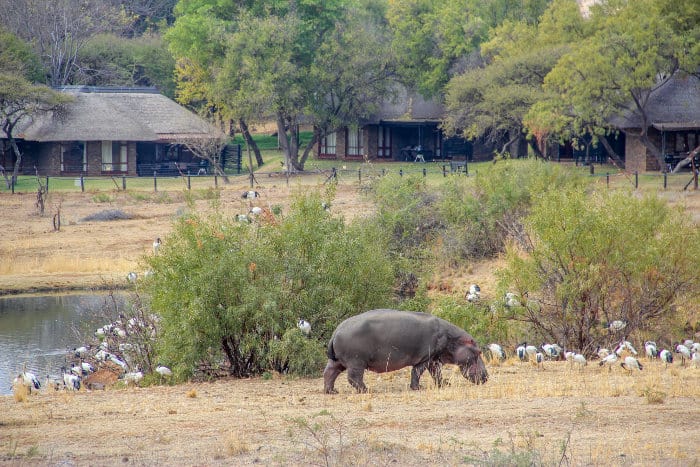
<point>387,340</point>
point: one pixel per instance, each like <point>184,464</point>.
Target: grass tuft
<point>236,444</point>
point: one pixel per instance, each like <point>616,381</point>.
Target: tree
<point>633,51</point>
<point>598,257</point>
<point>434,41</point>
<point>210,150</point>
<point>197,41</point>
<point>110,59</point>
<point>20,101</point>
<point>58,30</point>
<point>491,102</point>
<point>286,62</point>
<point>230,291</point>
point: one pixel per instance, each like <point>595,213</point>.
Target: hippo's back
<point>376,337</point>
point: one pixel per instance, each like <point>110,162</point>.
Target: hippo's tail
<point>330,351</point>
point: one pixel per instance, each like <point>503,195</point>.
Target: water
<point>38,331</point>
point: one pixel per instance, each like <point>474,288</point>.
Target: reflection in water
<point>39,330</point>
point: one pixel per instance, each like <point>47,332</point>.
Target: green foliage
<point>480,218</point>
<point>477,319</point>
<point>16,56</point>
<point>597,257</point>
<point>298,355</point>
<point>631,49</point>
<point>141,61</point>
<point>226,291</point>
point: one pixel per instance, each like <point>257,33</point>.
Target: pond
<point>39,331</point>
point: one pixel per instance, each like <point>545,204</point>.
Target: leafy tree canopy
<point>632,50</point>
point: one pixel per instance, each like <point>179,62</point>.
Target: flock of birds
<point>72,376</point>
<point>624,352</point>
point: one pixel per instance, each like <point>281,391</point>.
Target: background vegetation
<point>230,293</point>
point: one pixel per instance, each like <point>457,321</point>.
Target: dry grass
<point>522,414</point>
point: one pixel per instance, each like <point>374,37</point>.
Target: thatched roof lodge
<point>673,124</point>
<point>108,131</point>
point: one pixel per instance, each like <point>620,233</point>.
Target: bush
<point>297,354</point>
<point>481,215</point>
<point>226,290</point>
<point>601,257</point>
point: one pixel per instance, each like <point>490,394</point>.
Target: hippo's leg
<point>333,369</point>
<point>355,378</point>
<point>416,373</point>
<point>435,369</point>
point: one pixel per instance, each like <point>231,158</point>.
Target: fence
<point>360,174</point>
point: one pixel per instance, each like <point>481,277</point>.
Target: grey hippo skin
<point>388,340</point>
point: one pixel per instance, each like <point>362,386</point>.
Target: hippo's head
<point>467,356</point>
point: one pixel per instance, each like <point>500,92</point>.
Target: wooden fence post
<point>155,181</point>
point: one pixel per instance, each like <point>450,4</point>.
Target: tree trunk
<point>18,162</point>
<point>535,148</point>
<point>616,160</point>
<point>245,131</point>
<point>309,147</point>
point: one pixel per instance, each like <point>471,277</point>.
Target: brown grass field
<point>524,415</point>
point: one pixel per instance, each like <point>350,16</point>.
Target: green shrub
<point>297,354</point>
<point>227,290</point>
<point>477,319</point>
<point>599,257</point>
<point>102,198</point>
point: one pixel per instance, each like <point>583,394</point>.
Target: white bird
<point>569,356</point>
<point>695,347</point>
<point>474,293</point>
<point>497,352</point>
<point>163,370</point>
<point>531,351</point>
<point>688,343</point>
<point>552,351</point>
<point>520,351</point>
<point>650,349</point>
<point>70,381</point>
<point>539,359</point>
<point>631,364</point>
<point>116,361</point>
<point>133,377</point>
<point>684,351</point>
<point>580,360</point>
<point>255,210</point>
<point>511,299</point>
<point>616,325</point>
<point>242,218</point>
<point>80,351</point>
<point>132,276</point>
<point>666,356</point>
<point>625,346</point>
<point>250,194</point>
<point>695,359</point>
<point>156,245</point>
<point>27,379</point>
<point>305,326</point>
<point>608,360</point>
<point>602,352</point>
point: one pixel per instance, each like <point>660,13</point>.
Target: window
<point>114,156</point>
<point>327,148</point>
<point>355,142</point>
<point>383,142</point>
<point>73,157</point>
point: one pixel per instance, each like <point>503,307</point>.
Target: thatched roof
<point>674,106</point>
<point>408,107</point>
<point>118,114</point>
